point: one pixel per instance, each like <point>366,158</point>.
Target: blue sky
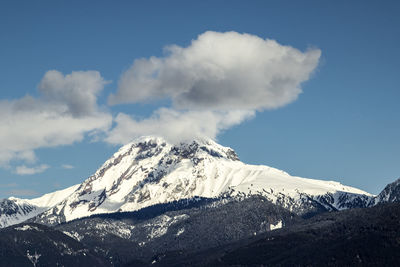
<point>344,126</point>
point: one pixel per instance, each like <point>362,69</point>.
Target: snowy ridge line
<point>24,209</point>
<point>151,171</point>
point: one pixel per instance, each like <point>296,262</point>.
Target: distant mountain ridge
<point>15,210</point>
<point>391,193</point>
<point>152,171</point>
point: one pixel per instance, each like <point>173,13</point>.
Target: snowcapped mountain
<point>15,210</point>
<point>391,193</point>
<point>152,171</point>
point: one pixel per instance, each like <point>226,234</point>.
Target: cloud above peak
<point>176,125</point>
<point>220,71</point>
<point>218,81</point>
<point>215,83</point>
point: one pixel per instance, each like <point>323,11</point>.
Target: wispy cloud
<point>8,185</point>
<point>67,166</point>
<point>24,170</point>
<point>22,193</point>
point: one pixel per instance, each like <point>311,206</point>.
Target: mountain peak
<point>391,193</point>
<point>196,147</point>
<point>150,171</point>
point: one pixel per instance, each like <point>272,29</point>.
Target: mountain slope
<point>192,227</point>
<point>151,171</point>
<point>38,245</point>
<point>354,237</point>
<point>357,237</point>
<point>15,210</point>
<point>391,193</point>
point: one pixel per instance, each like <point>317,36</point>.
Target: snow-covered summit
<point>186,148</point>
<point>151,171</point>
<point>391,193</point>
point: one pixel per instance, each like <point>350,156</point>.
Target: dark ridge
<point>39,245</point>
<point>355,237</point>
<point>203,227</point>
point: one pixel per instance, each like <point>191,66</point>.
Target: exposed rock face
<point>12,210</point>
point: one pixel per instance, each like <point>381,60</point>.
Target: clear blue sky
<point>345,126</point>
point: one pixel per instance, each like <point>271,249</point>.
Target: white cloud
<point>176,125</point>
<point>67,166</point>
<point>78,90</point>
<point>220,71</point>
<point>218,81</point>
<point>30,123</point>
<point>24,170</point>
